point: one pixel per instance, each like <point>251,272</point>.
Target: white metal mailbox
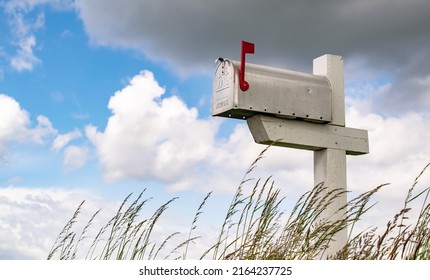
<point>272,91</point>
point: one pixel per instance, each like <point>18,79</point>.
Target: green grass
<point>256,227</point>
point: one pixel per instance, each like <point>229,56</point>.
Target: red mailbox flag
<point>246,48</point>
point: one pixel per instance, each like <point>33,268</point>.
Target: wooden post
<point>330,164</point>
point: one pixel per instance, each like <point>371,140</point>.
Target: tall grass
<point>125,236</point>
<point>399,240</point>
<point>256,227</point>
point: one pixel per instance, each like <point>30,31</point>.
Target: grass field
<point>257,228</point>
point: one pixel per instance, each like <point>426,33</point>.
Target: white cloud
<point>25,58</point>
<point>14,119</point>
<point>32,218</point>
<point>75,158</point>
<point>399,147</point>
<point>80,115</point>
<point>43,129</point>
<point>63,139</point>
<point>152,137</point>
<point>24,26</point>
<point>16,126</point>
<point>24,33</point>
<point>12,6</point>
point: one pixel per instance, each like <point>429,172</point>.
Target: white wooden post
<point>330,164</point>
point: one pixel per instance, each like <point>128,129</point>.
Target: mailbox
<point>272,91</point>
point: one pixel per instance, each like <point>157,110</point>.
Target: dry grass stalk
<point>255,227</point>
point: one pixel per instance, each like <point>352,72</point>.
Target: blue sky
<point>102,98</point>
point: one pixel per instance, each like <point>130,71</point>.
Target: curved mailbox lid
<point>272,91</point>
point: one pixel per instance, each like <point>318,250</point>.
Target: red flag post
<point>246,48</point>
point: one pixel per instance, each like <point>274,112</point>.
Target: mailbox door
<point>224,92</point>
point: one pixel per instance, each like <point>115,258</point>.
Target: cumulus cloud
<point>152,137</point>
<point>387,38</point>
<point>14,119</point>
<point>399,148</point>
<point>16,126</point>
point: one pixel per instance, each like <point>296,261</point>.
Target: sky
<point>100,99</point>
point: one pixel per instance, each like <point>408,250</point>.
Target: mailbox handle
<point>246,48</point>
